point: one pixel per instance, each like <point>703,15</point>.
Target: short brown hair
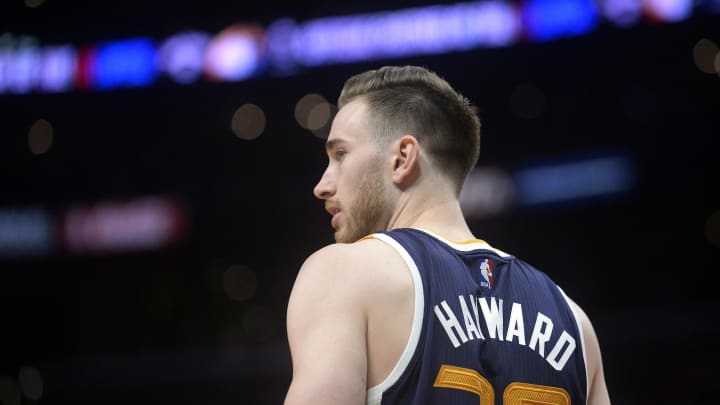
<point>414,100</point>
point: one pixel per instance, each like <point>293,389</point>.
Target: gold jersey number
<point>517,393</point>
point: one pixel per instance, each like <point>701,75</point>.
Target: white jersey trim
<point>468,246</point>
<point>582,341</point>
<point>375,393</point>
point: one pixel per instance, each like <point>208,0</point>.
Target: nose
<point>325,187</point>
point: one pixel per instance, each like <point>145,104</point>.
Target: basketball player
<point>408,307</point>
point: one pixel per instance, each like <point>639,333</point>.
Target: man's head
<point>386,117</point>
<point>412,100</point>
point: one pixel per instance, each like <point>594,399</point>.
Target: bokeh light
<point>487,191</point>
<point>234,54</point>
<point>319,116</point>
<point>248,122</point>
<point>40,137</point>
<point>624,13</point>
<point>668,10</point>
<point>314,113</point>
<point>304,108</point>
<point>181,55</point>
<point>705,54</point>
<point>34,3</point>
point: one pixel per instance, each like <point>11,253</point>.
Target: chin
<point>342,236</point>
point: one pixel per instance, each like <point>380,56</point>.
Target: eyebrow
<point>332,143</point>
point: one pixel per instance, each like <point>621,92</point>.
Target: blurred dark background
<point>200,319</point>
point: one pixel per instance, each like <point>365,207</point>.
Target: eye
<point>340,154</point>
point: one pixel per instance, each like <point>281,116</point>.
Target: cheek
<point>347,180</point>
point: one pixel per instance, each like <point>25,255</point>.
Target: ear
<point>405,161</point>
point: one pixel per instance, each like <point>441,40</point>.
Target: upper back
<point>485,324</point>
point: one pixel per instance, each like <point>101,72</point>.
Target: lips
<point>335,212</point>
<point>335,221</point>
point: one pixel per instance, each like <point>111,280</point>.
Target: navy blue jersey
<point>488,327</point>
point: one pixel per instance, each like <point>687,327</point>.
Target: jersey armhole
<point>375,393</point>
<point>582,340</point>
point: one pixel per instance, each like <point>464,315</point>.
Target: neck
<point>442,216</point>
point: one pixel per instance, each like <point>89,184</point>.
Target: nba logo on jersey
<point>486,269</point>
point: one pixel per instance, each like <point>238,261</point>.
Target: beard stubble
<point>368,208</point>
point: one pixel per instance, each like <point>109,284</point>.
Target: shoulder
<point>347,254</point>
<point>360,264</point>
<point>327,324</point>
<point>356,276</point>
